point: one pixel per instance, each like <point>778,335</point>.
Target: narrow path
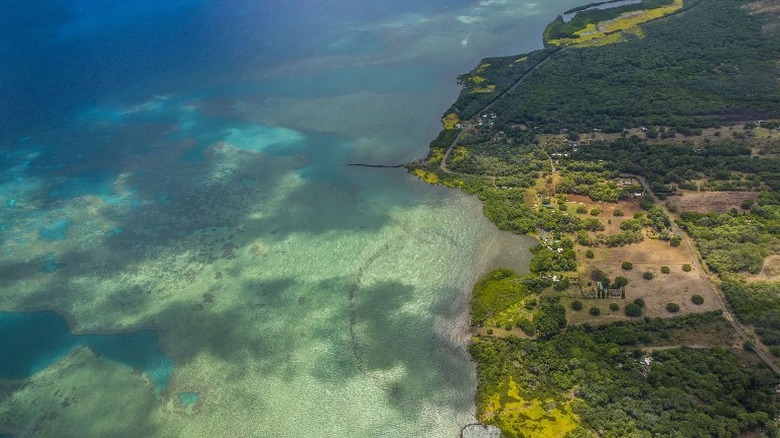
<point>443,164</point>
<point>758,347</point>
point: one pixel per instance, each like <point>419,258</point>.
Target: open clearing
<point>711,202</point>
<point>647,256</point>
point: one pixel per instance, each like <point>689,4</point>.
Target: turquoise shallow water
<point>33,341</point>
<point>192,177</point>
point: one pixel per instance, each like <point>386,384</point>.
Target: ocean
<point>180,168</point>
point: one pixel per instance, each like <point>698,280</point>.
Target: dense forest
<point>710,65</point>
<point>726,165</point>
<point>604,379</point>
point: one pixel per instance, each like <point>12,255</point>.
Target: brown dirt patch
<point>765,7</point>
<point>676,287</point>
<point>709,202</point>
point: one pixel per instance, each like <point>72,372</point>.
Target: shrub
<point>697,299</point>
<point>595,212</point>
<point>618,212</point>
<point>490,331</point>
<point>576,305</point>
<point>620,282</point>
<point>686,268</point>
<point>648,275</point>
<point>614,307</point>
<point>582,209</point>
<point>672,308</point>
<point>627,266</point>
<point>675,241</point>
<point>665,270</point>
<point>589,254</point>
<point>633,310</point>
<point>595,311</point>
<point>639,302</point>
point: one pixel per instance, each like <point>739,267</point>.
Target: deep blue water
<point>32,341</point>
<point>181,164</point>
<point>60,56</point>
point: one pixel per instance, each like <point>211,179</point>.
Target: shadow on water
<point>32,341</point>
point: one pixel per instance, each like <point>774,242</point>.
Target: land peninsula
<point>641,147</point>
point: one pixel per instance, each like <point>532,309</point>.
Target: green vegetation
<point>525,386</point>
<point>500,73</point>
<point>641,107</point>
<point>495,293</point>
<point>757,303</point>
<point>560,29</point>
<point>733,243</point>
<point>711,65</point>
<point>549,260</point>
<point>726,165</point>
<point>633,310</point>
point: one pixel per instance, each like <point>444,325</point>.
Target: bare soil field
<point>709,202</point>
<point>648,256</point>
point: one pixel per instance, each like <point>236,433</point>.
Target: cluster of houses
<point>629,183</point>
<point>487,119</point>
<point>549,243</point>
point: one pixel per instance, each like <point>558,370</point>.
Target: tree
<point>648,275</point>
<point>595,311</point>
<point>675,241</point>
<point>627,266</point>
<point>633,310</point>
<point>618,212</point>
<point>672,308</point>
<point>665,269</point>
<point>639,302</point>
<point>620,282</point>
<point>686,268</point>
<point>576,305</point>
<point>589,254</point>
<point>614,307</point>
<point>599,275</point>
<point>697,299</point>
<point>595,212</point>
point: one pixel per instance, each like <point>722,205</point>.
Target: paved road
<point>759,348</point>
